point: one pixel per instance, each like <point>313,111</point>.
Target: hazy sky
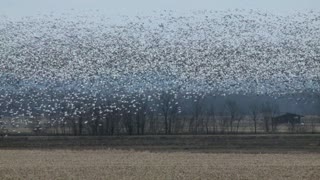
<point>18,8</point>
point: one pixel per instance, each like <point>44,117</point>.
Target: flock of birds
<point>64,64</point>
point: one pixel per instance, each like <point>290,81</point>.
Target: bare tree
<point>197,120</point>
<point>169,109</point>
<point>269,110</point>
<point>254,110</point>
<point>234,112</point>
<point>3,129</point>
<point>239,118</point>
<point>211,119</point>
<point>223,121</point>
<point>141,114</point>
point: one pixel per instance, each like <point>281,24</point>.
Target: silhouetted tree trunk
<point>233,110</point>
<point>196,122</point>
<point>254,110</point>
<point>268,111</point>
<point>210,118</point>
<point>166,100</point>
<point>80,124</point>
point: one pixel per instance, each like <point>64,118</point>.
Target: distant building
<point>288,118</point>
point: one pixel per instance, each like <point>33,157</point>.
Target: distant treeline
<point>169,112</point>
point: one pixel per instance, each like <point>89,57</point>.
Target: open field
<point>123,164</point>
<point>265,156</point>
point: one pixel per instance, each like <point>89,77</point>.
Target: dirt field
<point>121,164</point>
<point>282,156</point>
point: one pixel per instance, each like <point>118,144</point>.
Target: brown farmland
<point>282,156</point>
<point>120,164</point>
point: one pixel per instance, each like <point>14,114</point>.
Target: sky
<point>21,8</point>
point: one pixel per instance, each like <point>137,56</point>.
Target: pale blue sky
<point>17,8</point>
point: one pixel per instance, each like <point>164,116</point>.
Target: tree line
<point>168,112</point>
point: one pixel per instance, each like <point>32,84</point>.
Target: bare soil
<point>126,164</point>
